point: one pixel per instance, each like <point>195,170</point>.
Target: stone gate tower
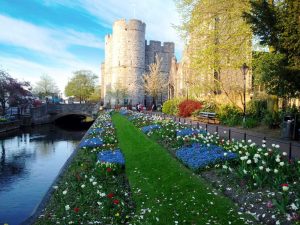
<point>127,58</point>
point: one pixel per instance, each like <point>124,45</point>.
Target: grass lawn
<point>165,192</point>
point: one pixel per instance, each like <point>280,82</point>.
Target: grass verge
<point>164,191</point>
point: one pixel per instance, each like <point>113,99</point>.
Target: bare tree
<point>154,82</point>
<point>45,86</point>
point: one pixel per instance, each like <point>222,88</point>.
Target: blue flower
<point>123,112</point>
<point>149,128</point>
<point>91,142</point>
<point>96,130</point>
<point>198,155</point>
<point>189,131</point>
<point>111,156</point>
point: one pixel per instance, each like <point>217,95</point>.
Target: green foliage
<point>171,106</point>
<point>230,115</point>
<point>271,71</point>
<point>263,20</point>
<point>256,108</point>
<point>96,95</point>
<point>272,119</point>
<point>218,40</point>
<point>251,122</point>
<point>278,26</point>
<point>81,85</point>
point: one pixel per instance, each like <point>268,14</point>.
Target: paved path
<point>291,147</point>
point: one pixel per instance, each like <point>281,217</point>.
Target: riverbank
<point>31,158</point>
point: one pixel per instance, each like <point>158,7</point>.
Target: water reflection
<point>30,161</point>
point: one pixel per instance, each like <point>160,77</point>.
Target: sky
<point>58,37</point>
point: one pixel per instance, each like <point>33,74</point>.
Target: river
<point>29,162</point>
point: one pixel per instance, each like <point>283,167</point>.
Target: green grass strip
<point>165,192</point>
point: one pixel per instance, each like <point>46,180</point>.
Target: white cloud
<point>46,41</point>
<point>159,16</point>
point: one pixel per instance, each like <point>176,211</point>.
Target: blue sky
<point>58,37</point>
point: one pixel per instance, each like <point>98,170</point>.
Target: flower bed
<point>257,170</point>
<point>92,191</point>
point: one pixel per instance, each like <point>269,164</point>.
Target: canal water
<point>29,162</point>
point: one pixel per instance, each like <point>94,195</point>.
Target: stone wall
<point>127,58</point>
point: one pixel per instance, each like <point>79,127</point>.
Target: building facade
<point>127,59</point>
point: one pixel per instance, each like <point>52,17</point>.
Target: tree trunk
<point>3,108</point>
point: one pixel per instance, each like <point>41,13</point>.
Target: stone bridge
<point>48,113</point>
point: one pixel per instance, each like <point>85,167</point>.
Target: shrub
<point>251,122</point>
<point>230,115</point>
<point>272,119</point>
<point>257,108</point>
<point>187,107</point>
<point>171,106</point>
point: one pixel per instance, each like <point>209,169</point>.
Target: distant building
<point>127,58</point>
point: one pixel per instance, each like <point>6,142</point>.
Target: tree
<point>96,95</point>
<point>11,90</point>
<point>81,85</point>
<point>45,86</point>
<point>277,25</point>
<point>219,43</point>
<point>270,71</point>
<point>154,82</point>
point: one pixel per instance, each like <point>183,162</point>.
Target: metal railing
<point>292,148</point>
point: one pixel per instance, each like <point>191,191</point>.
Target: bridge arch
<point>49,113</point>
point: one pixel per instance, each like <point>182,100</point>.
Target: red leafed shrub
<point>188,106</point>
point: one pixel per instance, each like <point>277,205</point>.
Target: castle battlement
<point>159,46</point>
<point>127,58</point>
<point>132,24</point>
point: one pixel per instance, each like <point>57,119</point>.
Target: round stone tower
<point>136,59</point>
<point>128,58</point>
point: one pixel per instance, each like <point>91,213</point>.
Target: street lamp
<point>187,83</point>
<point>244,69</point>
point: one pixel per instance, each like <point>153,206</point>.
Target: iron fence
<point>292,148</point>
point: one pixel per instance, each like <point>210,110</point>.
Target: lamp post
<point>244,69</point>
<point>187,83</point>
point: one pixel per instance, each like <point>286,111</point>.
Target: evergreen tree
<point>277,24</point>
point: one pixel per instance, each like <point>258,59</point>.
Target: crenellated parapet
<point>127,58</point>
